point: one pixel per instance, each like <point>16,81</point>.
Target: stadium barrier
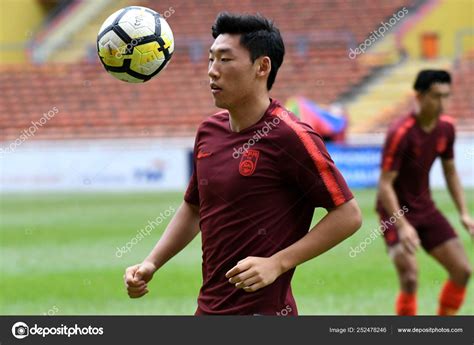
<point>166,164</point>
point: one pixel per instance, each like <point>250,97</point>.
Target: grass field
<point>58,256</point>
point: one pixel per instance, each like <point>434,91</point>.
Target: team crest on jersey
<point>248,162</point>
<point>441,144</point>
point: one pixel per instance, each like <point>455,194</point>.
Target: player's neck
<point>248,113</point>
<point>427,122</point>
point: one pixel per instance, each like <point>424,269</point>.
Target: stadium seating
<point>357,18</point>
<point>460,107</point>
<point>386,96</point>
<point>94,105</point>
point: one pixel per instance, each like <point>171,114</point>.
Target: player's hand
<point>468,223</point>
<point>409,238</point>
<point>254,273</point>
<point>136,278</point>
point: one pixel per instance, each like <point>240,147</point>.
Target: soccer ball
<point>134,44</point>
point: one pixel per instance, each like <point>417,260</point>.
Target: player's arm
<point>457,194</point>
<point>407,233</point>
<point>181,230</point>
<point>254,273</point>
<point>314,173</point>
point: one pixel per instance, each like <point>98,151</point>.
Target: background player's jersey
<point>256,191</point>
<point>411,151</point>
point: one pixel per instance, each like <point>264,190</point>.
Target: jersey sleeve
<point>448,152</point>
<point>307,163</point>
<point>393,151</point>
<point>192,191</point>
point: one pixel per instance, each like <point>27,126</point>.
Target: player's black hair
<point>258,35</point>
<point>427,77</point>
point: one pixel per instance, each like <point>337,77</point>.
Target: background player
<point>412,145</point>
<point>254,206</point>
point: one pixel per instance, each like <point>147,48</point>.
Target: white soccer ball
<point>134,44</point>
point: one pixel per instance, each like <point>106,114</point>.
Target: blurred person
<point>258,175</point>
<point>412,145</point>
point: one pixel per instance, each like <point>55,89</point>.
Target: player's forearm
<point>181,230</point>
<point>390,202</point>
<point>455,189</point>
<point>336,226</point>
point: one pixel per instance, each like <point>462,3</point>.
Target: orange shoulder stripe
<point>447,118</point>
<point>319,161</point>
<point>397,137</point>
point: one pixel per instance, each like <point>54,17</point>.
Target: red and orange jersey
<point>256,191</point>
<point>411,152</point>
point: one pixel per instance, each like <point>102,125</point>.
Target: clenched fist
<point>136,278</point>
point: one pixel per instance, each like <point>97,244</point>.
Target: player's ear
<point>418,101</point>
<point>419,96</point>
<point>264,66</point>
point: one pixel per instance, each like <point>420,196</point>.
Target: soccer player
<point>412,145</point>
<point>258,176</point>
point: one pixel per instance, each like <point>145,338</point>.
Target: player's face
<point>231,71</point>
<point>434,101</point>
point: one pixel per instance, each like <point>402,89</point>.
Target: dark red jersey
<point>256,191</point>
<point>411,152</point>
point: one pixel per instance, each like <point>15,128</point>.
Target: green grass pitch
<point>57,256</point>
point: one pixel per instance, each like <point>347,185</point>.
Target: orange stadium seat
<point>461,105</point>
<point>93,105</point>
